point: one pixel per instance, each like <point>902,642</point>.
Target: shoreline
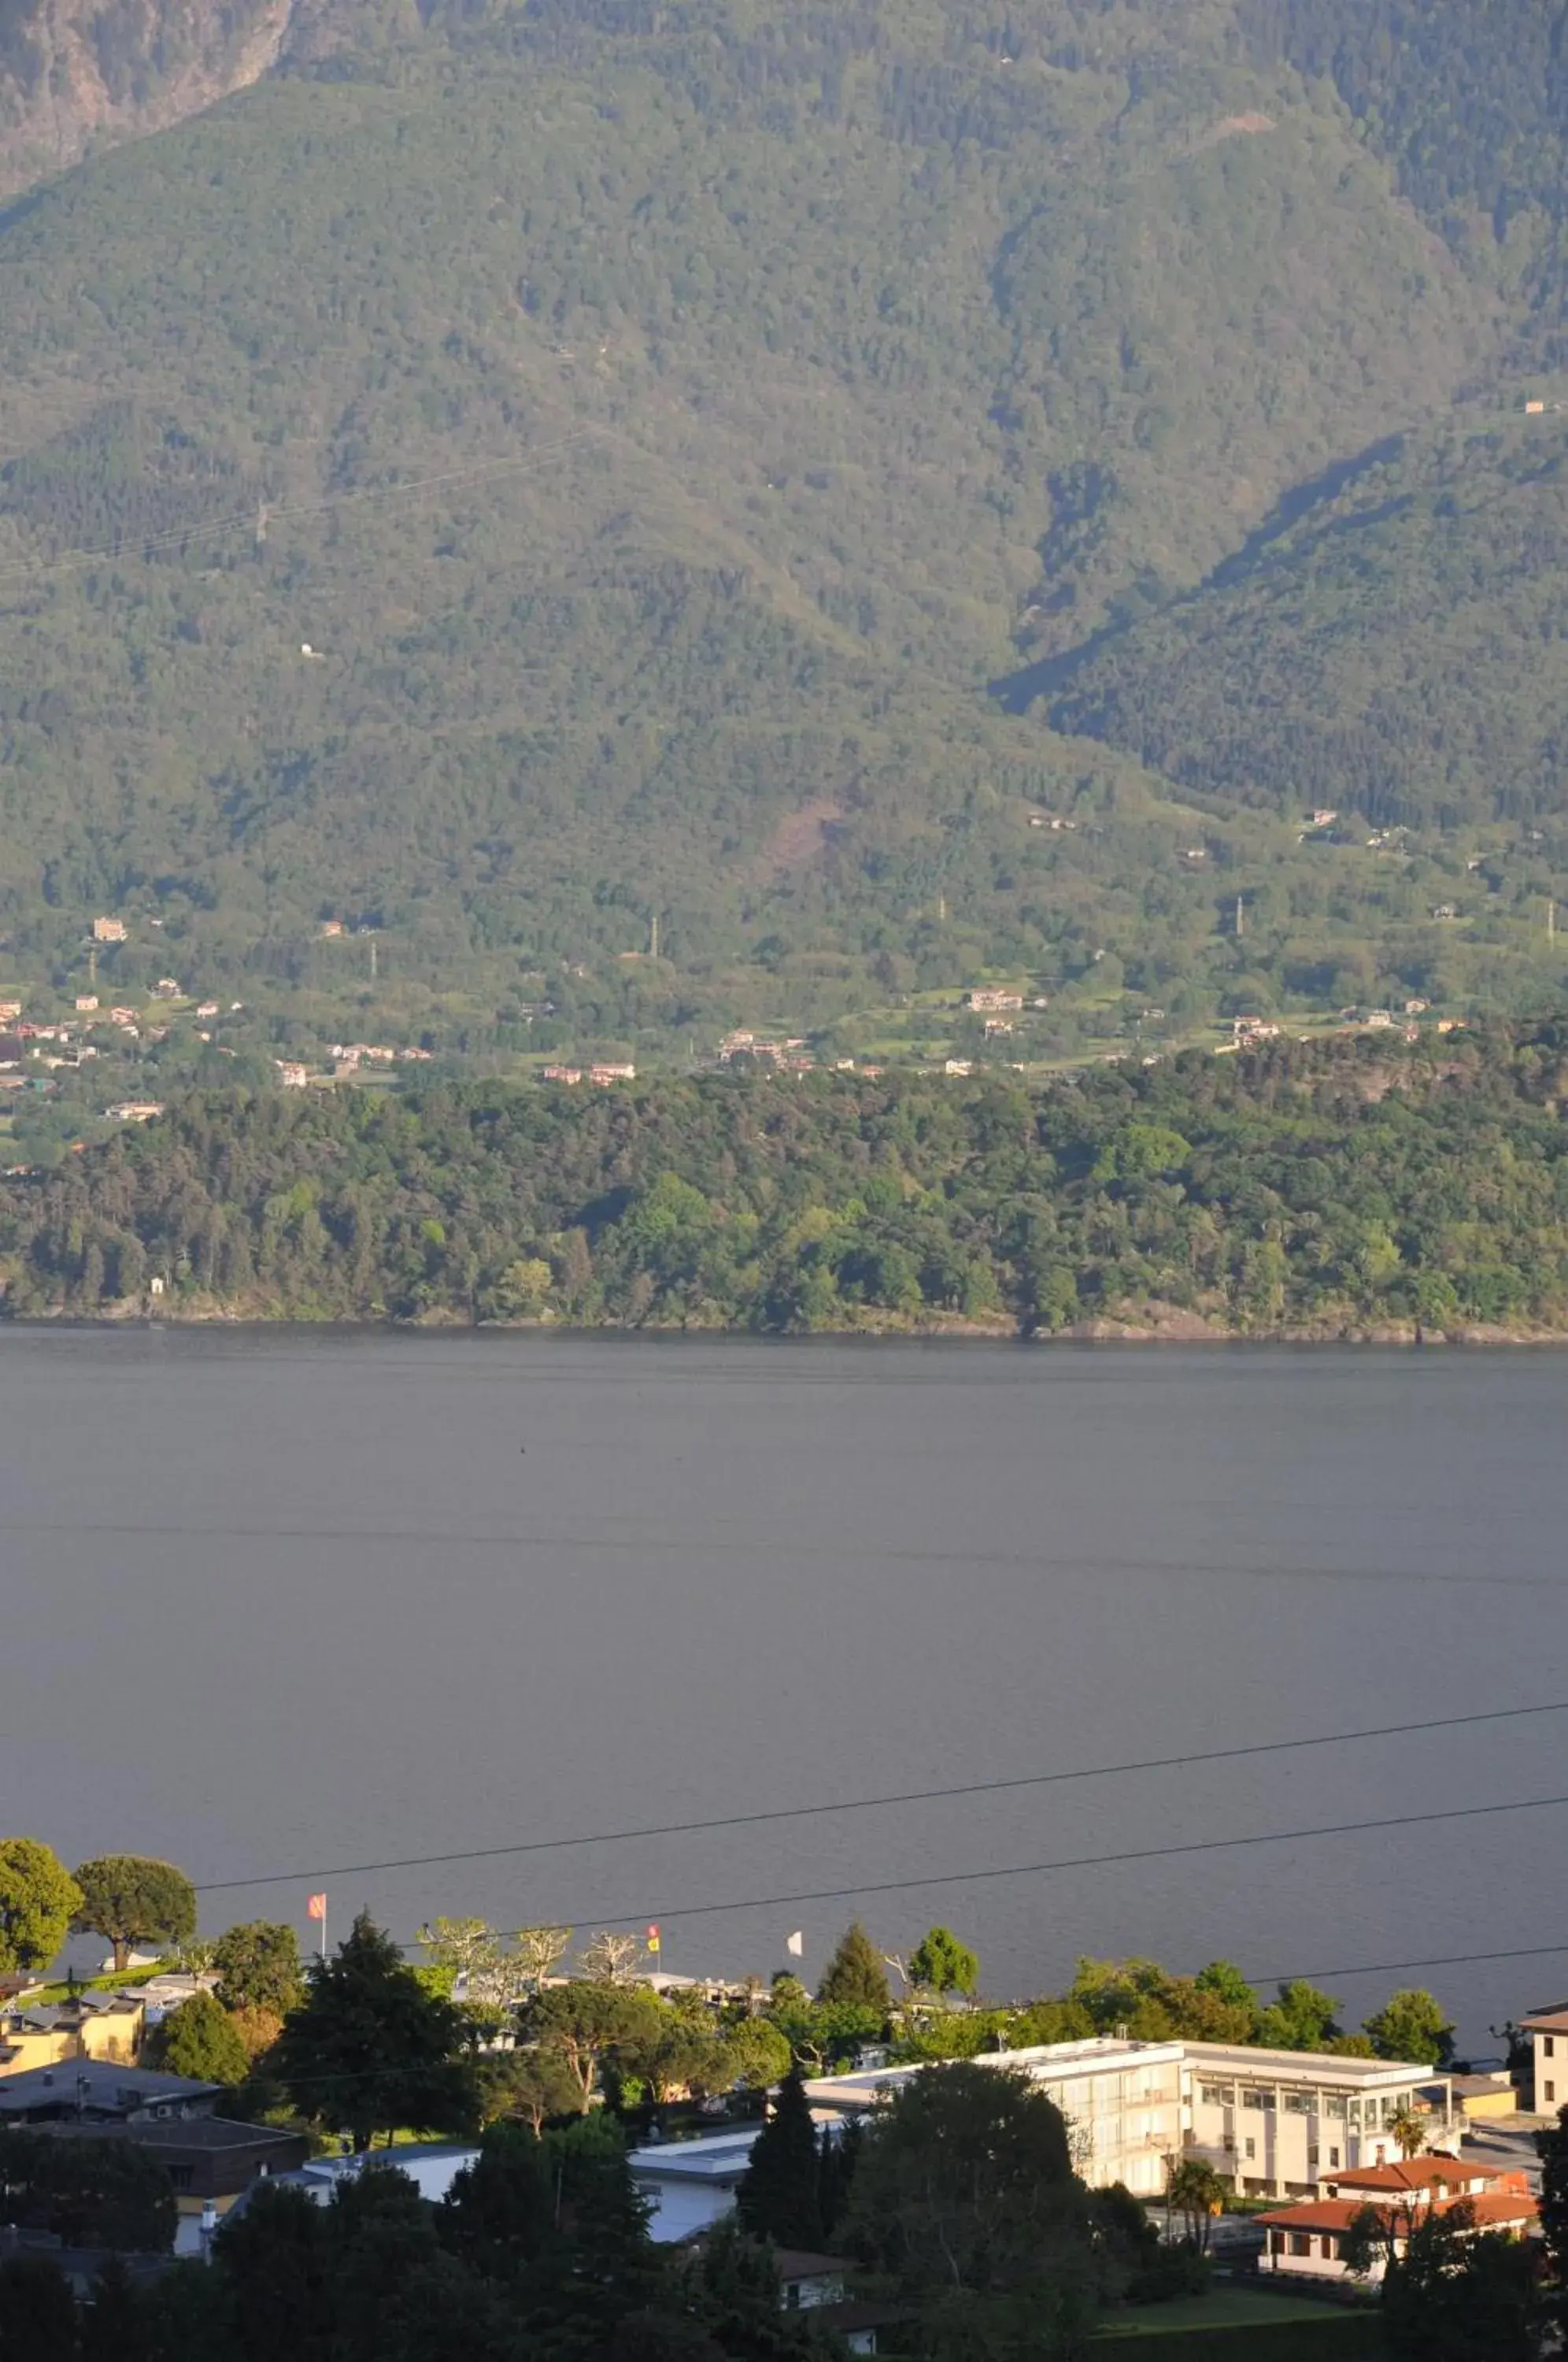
<point>1176,1327</point>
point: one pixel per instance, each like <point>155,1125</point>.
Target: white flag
<point>795,1944</point>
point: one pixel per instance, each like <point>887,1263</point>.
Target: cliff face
<point>74,73</point>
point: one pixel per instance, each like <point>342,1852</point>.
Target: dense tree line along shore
<point>1342,1189</point>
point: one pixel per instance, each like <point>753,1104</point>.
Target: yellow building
<point>105,2026</point>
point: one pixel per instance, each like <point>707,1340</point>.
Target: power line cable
<point>1401,1967</point>
<point>676,1911</point>
<point>900,1796</point>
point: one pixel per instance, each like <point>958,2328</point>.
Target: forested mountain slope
<point>1400,651</point>
<point>515,473</point>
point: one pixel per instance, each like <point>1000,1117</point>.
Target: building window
<point>1549,2046</point>
<point>1276,2242</point>
<point>1217,2095</point>
<point>1333,2156</point>
<point>1252,2148</point>
<point>1356,2111</point>
<point>1300,2243</point>
<point>1551,2094</point>
<point>1299,2103</point>
<point>1251,2099</point>
<point>1311,2154</point>
<point>1334,2103</point>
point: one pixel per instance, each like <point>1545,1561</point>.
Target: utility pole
<point>261,524</point>
<point>92,962</point>
<point>372,959</point>
<point>1240,920</point>
<point>653,936</point>
<point>1551,919</point>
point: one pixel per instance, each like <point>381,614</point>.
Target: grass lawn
<point>1219,2309</point>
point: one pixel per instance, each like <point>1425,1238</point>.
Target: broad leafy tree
<point>257,1966</point>
<point>943,1962</point>
<point>39,1899</point>
<point>965,2196</point>
<point>528,2086</point>
<point>201,2039</point>
<point>760,2053</point>
<point>1412,2024</point>
<point>131,1900</point>
<point>1453,2297</point>
<point>583,2023</point>
<point>87,2192</point>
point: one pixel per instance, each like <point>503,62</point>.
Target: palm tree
<point>1195,2190</point>
<point>1409,2130</point>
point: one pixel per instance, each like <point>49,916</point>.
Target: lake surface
<point>275,1604</point>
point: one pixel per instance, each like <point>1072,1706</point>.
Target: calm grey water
<point>274,1604</point>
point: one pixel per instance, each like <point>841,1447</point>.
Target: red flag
<point>316,1906</point>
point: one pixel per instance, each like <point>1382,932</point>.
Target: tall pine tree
<point>779,2196</point>
<point>369,2049</point>
<point>856,1976</point>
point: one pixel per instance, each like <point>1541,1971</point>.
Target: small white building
<point>1309,2239</point>
<point>691,2183</point>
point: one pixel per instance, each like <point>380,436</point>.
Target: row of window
<point>1250,2150</point>
<point>1300,2243</point>
<point>1306,2104</point>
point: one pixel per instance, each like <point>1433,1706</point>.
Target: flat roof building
<point>1277,2123</point>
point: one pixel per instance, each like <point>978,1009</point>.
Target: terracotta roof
<point>800,2264</point>
<point>1494,2207</point>
<point>1502,2207</point>
<point>1413,2173</point>
<point>1312,2215</point>
<point>1547,2021</point>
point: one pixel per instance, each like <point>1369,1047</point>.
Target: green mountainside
<point>514,475</point>
<point>1399,651</point>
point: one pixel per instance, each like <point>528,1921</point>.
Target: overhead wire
<point>1186,1846</point>
<point>899,1796</point>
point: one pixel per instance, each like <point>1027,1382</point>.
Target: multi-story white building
<point>1547,2032</point>
<point>1277,2123</point>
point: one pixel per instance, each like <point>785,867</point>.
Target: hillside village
<point>75,1063</point>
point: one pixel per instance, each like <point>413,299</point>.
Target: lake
<point>280,1602</point>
